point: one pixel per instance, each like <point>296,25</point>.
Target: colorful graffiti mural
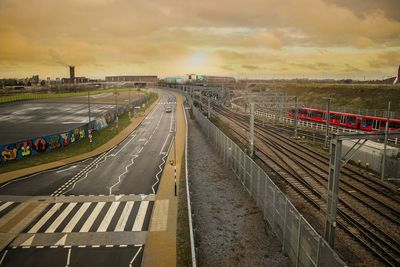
<point>35,146</point>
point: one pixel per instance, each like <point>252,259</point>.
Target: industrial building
<point>72,78</point>
<point>137,80</point>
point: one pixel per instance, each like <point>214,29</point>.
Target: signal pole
<point>251,133</point>
<point>385,142</point>
<point>296,115</point>
<point>328,118</point>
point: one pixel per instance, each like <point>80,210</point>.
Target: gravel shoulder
<point>230,230</point>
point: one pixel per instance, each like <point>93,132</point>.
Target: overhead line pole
<point>328,118</point>
<point>251,133</point>
<point>385,142</point>
<point>296,115</point>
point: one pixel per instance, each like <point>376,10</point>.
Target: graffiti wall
<point>35,146</point>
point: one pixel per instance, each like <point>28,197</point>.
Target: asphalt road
<point>96,212</point>
<point>27,119</point>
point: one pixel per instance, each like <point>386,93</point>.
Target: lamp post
<point>116,107</point>
<point>88,95</point>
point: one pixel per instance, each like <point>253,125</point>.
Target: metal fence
<point>300,242</point>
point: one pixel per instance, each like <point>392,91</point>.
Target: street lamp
<point>116,108</point>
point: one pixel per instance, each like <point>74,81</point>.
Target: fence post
<point>298,241</point>
<point>318,251</point>
<point>265,199</point>
<point>284,227</point>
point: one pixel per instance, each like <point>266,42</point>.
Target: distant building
<point>216,79</point>
<point>137,80</point>
<point>75,80</point>
<point>35,79</point>
<point>174,79</point>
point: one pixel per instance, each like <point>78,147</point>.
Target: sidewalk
<point>135,122</point>
<point>160,248</point>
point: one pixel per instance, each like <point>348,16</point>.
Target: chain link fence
<point>300,242</point>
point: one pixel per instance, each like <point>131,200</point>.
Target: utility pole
<point>385,142</point>
<point>129,92</point>
<point>209,107</point>
<point>333,189</point>
<point>296,115</point>
<point>251,133</point>
<point>328,118</point>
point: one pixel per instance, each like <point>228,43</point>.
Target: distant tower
<point>72,74</point>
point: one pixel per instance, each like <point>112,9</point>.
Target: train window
<point>302,111</point>
<point>335,116</point>
<point>367,122</point>
<point>317,114</point>
<point>351,120</point>
<point>394,124</point>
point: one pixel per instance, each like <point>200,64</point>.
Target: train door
<point>376,124</point>
<point>343,119</point>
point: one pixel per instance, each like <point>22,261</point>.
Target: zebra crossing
<point>7,206</point>
<point>87,217</point>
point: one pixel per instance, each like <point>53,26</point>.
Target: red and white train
<point>348,120</point>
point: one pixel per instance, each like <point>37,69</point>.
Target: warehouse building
<point>137,80</point>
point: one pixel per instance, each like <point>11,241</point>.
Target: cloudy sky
<point>255,38</point>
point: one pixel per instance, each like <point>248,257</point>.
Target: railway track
<point>306,172</point>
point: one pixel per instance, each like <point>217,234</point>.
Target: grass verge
<point>183,252</point>
<point>99,138</point>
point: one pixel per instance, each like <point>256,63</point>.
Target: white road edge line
<point>134,257</point>
<point>4,255</point>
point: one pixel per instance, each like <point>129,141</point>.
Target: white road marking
<point>86,227</point>
<point>125,172</point>
<point>4,255</point>
<point>61,241</point>
<point>124,217</point>
<point>165,142</point>
<point>70,226</point>
<point>5,205</point>
<point>68,257</point>
<point>161,169</point>
<point>134,257</point>
<point>60,218</point>
<point>133,137</point>
<point>67,169</point>
<point>28,242</point>
<point>44,219</point>
<point>107,219</point>
<point>137,226</point>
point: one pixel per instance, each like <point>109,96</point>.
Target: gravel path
<point>230,230</point>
